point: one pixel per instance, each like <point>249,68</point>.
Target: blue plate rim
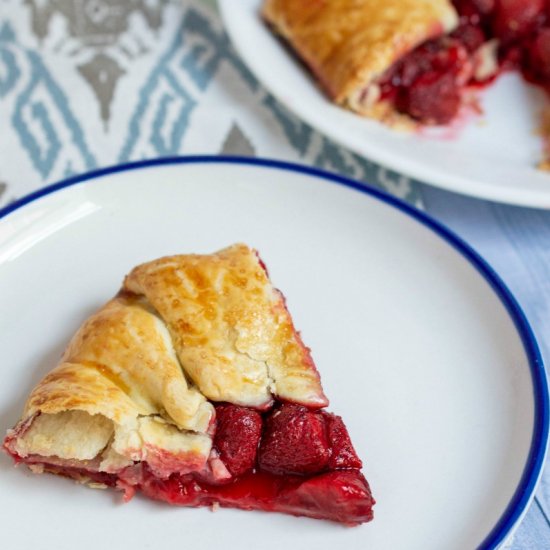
<point>537,452</point>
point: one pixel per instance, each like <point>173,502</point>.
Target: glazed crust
<point>230,328</point>
<point>121,364</point>
<point>349,43</point>
<point>77,387</point>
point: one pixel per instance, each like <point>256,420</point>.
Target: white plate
<point>421,349</point>
<point>492,157</point>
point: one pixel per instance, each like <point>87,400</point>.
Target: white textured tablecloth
<point>91,83</point>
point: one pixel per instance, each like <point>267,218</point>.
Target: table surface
<point>88,83</point>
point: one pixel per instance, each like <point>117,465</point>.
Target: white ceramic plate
<point>492,157</point>
<point>421,349</point>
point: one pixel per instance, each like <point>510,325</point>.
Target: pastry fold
<point>349,44</point>
<point>230,328</point>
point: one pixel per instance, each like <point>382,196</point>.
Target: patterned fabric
<point>90,83</point>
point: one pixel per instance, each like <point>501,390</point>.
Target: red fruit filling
<point>294,460</point>
<point>343,496</point>
<point>474,10</point>
<point>471,36</point>
<point>515,19</point>
<point>433,98</point>
<point>536,62</point>
<point>300,441</point>
<point>237,437</point>
<point>294,442</point>
<point>342,453</point>
<point>429,83</point>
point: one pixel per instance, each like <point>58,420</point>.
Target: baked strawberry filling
<point>238,434</point>
<point>342,496</point>
<point>431,82</point>
<point>291,459</point>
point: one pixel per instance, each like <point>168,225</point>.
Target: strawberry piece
<point>515,19</point>
<point>427,83</point>
<point>481,7</point>
<point>342,496</point>
<point>343,455</point>
<point>536,64</point>
<point>473,11</point>
<point>433,98</point>
<point>484,6</point>
<point>237,436</point>
<point>429,57</point>
<point>470,36</point>
<point>294,442</point>
<point>440,55</point>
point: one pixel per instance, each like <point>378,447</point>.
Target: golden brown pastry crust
<point>349,43</point>
<point>74,386</point>
<point>121,364</point>
<point>130,346</point>
<point>230,327</point>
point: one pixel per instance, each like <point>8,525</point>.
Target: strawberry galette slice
<point>193,386</point>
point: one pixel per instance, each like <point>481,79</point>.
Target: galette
<point>193,387</point>
<point>414,61</point>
